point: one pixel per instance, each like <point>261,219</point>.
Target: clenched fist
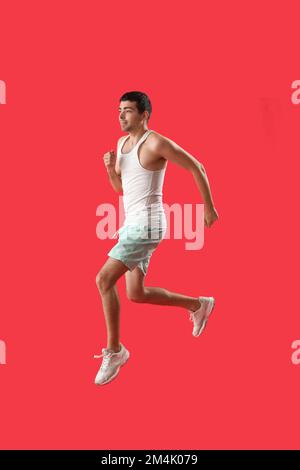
<point>109,159</point>
<point>210,215</point>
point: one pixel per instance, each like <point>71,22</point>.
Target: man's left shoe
<point>200,316</point>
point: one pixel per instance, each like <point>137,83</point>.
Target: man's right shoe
<point>200,316</point>
<point>111,364</point>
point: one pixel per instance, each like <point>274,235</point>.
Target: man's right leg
<point>106,280</point>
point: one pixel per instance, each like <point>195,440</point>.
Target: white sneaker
<point>111,363</point>
<point>200,316</point>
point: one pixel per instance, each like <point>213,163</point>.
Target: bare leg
<point>137,292</point>
<point>161,296</point>
<point>111,309</point>
<point>106,280</point>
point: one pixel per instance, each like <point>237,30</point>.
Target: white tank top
<point>142,188</point>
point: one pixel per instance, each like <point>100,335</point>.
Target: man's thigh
<point>113,269</point>
<point>134,281</point>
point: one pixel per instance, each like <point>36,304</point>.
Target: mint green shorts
<point>136,245</point>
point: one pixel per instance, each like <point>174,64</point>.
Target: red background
<point>219,77</point>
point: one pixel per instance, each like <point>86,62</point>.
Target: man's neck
<point>135,136</point>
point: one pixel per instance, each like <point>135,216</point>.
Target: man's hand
<point>210,215</point>
<point>109,159</point>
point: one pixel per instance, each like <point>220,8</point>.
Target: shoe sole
<point>206,320</point>
<point>115,374</point>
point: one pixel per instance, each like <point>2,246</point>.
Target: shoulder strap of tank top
<point>121,142</point>
<point>143,138</point>
<point>120,145</point>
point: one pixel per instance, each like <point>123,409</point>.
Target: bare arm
<point>173,152</point>
<point>115,179</point>
<point>113,171</point>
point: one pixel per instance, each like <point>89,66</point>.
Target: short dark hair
<point>143,102</point>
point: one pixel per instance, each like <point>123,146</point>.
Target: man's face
<point>129,116</point>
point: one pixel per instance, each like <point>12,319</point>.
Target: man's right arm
<point>113,171</point>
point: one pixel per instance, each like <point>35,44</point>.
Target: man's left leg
<point>137,292</point>
<point>199,309</point>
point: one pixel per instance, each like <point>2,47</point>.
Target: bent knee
<point>103,281</point>
<point>136,296</point>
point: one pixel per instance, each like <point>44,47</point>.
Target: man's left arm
<point>174,153</point>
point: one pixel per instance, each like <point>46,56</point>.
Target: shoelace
<point>105,361</point>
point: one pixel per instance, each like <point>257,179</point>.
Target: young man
<point>138,172</point>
